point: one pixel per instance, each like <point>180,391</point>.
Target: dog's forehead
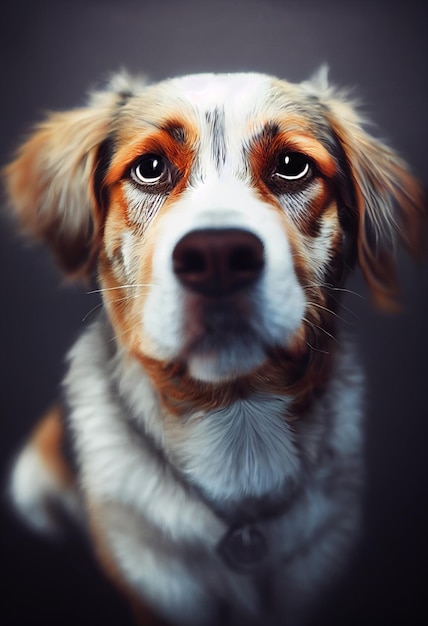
<point>239,96</point>
<point>231,91</point>
<point>205,120</point>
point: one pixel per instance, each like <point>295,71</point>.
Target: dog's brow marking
<point>269,132</point>
<point>216,122</point>
<point>176,132</point>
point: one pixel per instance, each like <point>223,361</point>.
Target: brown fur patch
<point>266,148</point>
<point>145,140</point>
<point>48,440</point>
<point>299,374</point>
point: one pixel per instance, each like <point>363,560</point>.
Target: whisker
<point>115,288</point>
<point>125,298</point>
<point>91,311</point>
<point>350,311</point>
<point>316,349</point>
<point>324,308</point>
<point>353,293</point>
<point>121,334</point>
<point>345,308</point>
<point>100,304</point>
<point>322,329</point>
<point>332,288</point>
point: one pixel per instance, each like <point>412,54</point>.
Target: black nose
<point>218,262</point>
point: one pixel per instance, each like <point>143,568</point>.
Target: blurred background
<point>51,53</point>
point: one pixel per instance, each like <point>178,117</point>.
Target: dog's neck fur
<point>231,453</point>
<point>238,449</point>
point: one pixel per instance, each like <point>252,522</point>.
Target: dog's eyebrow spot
<point>268,132</point>
<point>176,131</point>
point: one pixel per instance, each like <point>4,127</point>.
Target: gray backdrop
<point>50,54</point>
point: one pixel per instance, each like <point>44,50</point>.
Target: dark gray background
<point>50,54</point>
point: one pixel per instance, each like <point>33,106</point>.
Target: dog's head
<point>223,213</point>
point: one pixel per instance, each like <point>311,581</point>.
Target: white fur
<point>33,485</point>
<point>245,449</point>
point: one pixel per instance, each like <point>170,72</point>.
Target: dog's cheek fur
<point>126,272</point>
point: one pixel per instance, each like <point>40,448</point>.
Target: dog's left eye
<point>292,166</point>
<point>150,169</point>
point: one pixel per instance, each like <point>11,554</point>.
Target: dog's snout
<point>218,262</point>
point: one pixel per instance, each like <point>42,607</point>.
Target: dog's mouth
<point>216,319</point>
<point>223,338</point>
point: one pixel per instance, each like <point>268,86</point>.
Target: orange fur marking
<point>145,141</point>
<point>312,148</point>
<point>48,439</point>
<point>266,149</point>
<point>297,376</point>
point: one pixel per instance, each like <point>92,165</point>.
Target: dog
<point>210,435</point>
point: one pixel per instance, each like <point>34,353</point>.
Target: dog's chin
<point>219,364</point>
<point>217,368</point>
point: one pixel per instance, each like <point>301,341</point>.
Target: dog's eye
<point>150,170</point>
<point>292,166</point>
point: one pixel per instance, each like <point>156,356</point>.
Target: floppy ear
<point>388,200</point>
<point>50,182</point>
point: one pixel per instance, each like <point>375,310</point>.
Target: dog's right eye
<point>151,169</point>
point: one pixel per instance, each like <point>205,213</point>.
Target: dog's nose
<point>218,262</point>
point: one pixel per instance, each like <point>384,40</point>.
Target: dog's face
<point>217,190</point>
<point>223,212</point>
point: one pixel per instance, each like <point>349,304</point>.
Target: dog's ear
<point>388,199</point>
<point>50,183</point>
<point>389,202</point>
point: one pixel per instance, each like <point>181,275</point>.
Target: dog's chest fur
<point>295,484</point>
